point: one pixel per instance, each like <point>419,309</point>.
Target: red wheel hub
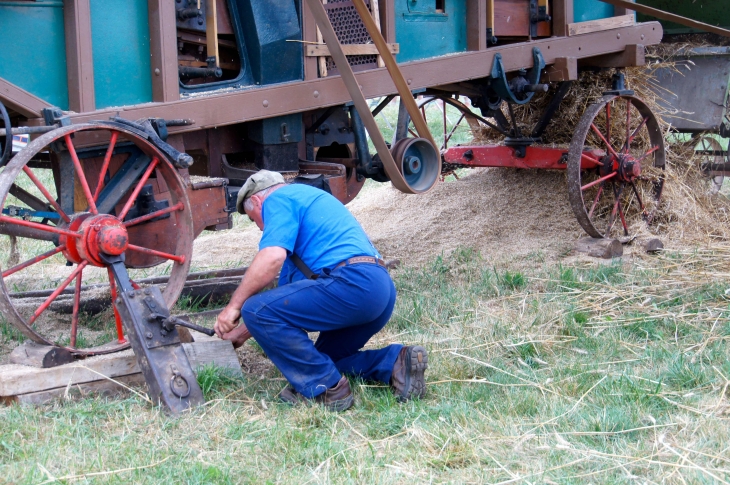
<point>100,234</point>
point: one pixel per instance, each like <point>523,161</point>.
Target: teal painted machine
<point>429,28</point>
<point>585,10</point>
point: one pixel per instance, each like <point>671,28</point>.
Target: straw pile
<point>687,210</point>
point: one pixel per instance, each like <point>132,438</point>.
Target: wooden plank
<point>79,57</point>
<point>16,380</point>
<point>511,19</point>
<point>476,24</point>
<point>579,28</point>
<point>19,379</point>
<point>633,55</point>
<point>349,49</point>
<point>309,34</point>
<point>103,387</point>
<point>211,30</point>
<point>375,11</point>
<point>20,100</point>
<point>564,69</point>
<point>660,14</point>
<point>163,50</point>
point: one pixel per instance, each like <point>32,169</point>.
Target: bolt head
<point>148,334</point>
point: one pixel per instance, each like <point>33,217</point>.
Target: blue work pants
<point>347,306</point>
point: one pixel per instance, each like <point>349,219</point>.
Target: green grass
<point>586,373</point>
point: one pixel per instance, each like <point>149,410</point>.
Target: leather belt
<point>362,259</point>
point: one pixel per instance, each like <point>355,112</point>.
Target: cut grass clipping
<point>589,373</point>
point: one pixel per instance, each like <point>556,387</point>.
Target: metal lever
<point>169,322</point>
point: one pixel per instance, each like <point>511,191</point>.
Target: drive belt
<point>353,88</point>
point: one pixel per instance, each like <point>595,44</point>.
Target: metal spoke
<point>138,188</point>
<point>451,133</point>
<point>35,225</point>
<point>57,292</point>
<point>591,159</point>
<point>636,132</point>
<point>180,259</point>
<point>600,135</point>
<point>598,181</point>
<point>595,201</point>
<point>33,261</point>
<point>117,317</point>
<point>649,152</point>
<point>80,172</point>
<point>153,215</point>
<point>638,197</point>
<point>105,165</point>
<point>608,122</point>
<point>75,314</point>
<point>628,125</point>
<point>46,193</point>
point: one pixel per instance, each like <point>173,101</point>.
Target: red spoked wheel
<point>616,167</point>
<point>70,197</point>
<point>450,121</point>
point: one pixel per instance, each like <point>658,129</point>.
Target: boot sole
<point>416,363</point>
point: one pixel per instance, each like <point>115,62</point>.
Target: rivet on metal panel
<point>266,103</point>
<point>618,36</point>
<point>409,82</point>
<point>642,36</point>
<point>131,293</point>
<point>157,71</point>
<point>316,94</point>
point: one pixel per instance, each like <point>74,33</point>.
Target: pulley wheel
<point>69,197</point>
<point>616,167</point>
<point>418,162</point>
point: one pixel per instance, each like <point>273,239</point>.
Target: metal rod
<point>28,130</point>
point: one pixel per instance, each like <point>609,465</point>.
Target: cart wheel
<point>450,121</point>
<point>68,200</point>
<point>615,166</point>
<point>6,142</point>
<point>711,153</point>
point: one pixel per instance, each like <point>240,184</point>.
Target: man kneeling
<point>331,281</point>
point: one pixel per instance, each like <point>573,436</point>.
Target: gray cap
<point>261,180</point>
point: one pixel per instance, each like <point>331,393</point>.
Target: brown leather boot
<point>336,398</point>
<point>408,380</point>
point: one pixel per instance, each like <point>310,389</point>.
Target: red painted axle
<point>504,156</point>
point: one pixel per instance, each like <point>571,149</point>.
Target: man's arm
<point>264,268</point>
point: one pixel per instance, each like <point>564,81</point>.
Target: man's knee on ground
<point>249,314</point>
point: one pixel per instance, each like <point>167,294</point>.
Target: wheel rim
<point>126,198</point>
<point>709,144</point>
<point>454,121</point>
<point>615,166</point>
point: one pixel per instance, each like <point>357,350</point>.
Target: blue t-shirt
<point>315,226</point>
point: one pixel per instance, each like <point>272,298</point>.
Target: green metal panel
<point>584,10</point>
<point>120,40</point>
<point>713,12</point>
<point>423,32</point>
<point>33,56</point>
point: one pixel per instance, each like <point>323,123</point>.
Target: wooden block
<point>564,69</point>
<point>35,355</point>
<point>218,352</point>
<point>653,245</point>
<point>103,387</point>
<point>349,49</point>
<point>19,379</point>
<point>599,25</point>
<point>633,55</point>
<point>600,248</point>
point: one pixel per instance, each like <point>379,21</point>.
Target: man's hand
<point>227,320</point>
<point>237,336</point>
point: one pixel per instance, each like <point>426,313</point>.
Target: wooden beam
<point>211,30</point>
<point>634,55</point>
<point>602,24</point>
<point>309,34</point>
<point>564,69</point>
<point>661,14</point>
<point>79,56</point>
<point>476,24</point>
<point>562,16</point>
<point>349,49</point>
<point>163,50</point>
<point>623,10</point>
<point>20,100</point>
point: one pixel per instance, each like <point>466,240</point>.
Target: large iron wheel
<point>71,196</point>
<point>615,166</point>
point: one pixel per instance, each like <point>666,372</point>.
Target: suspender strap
<point>301,266</point>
